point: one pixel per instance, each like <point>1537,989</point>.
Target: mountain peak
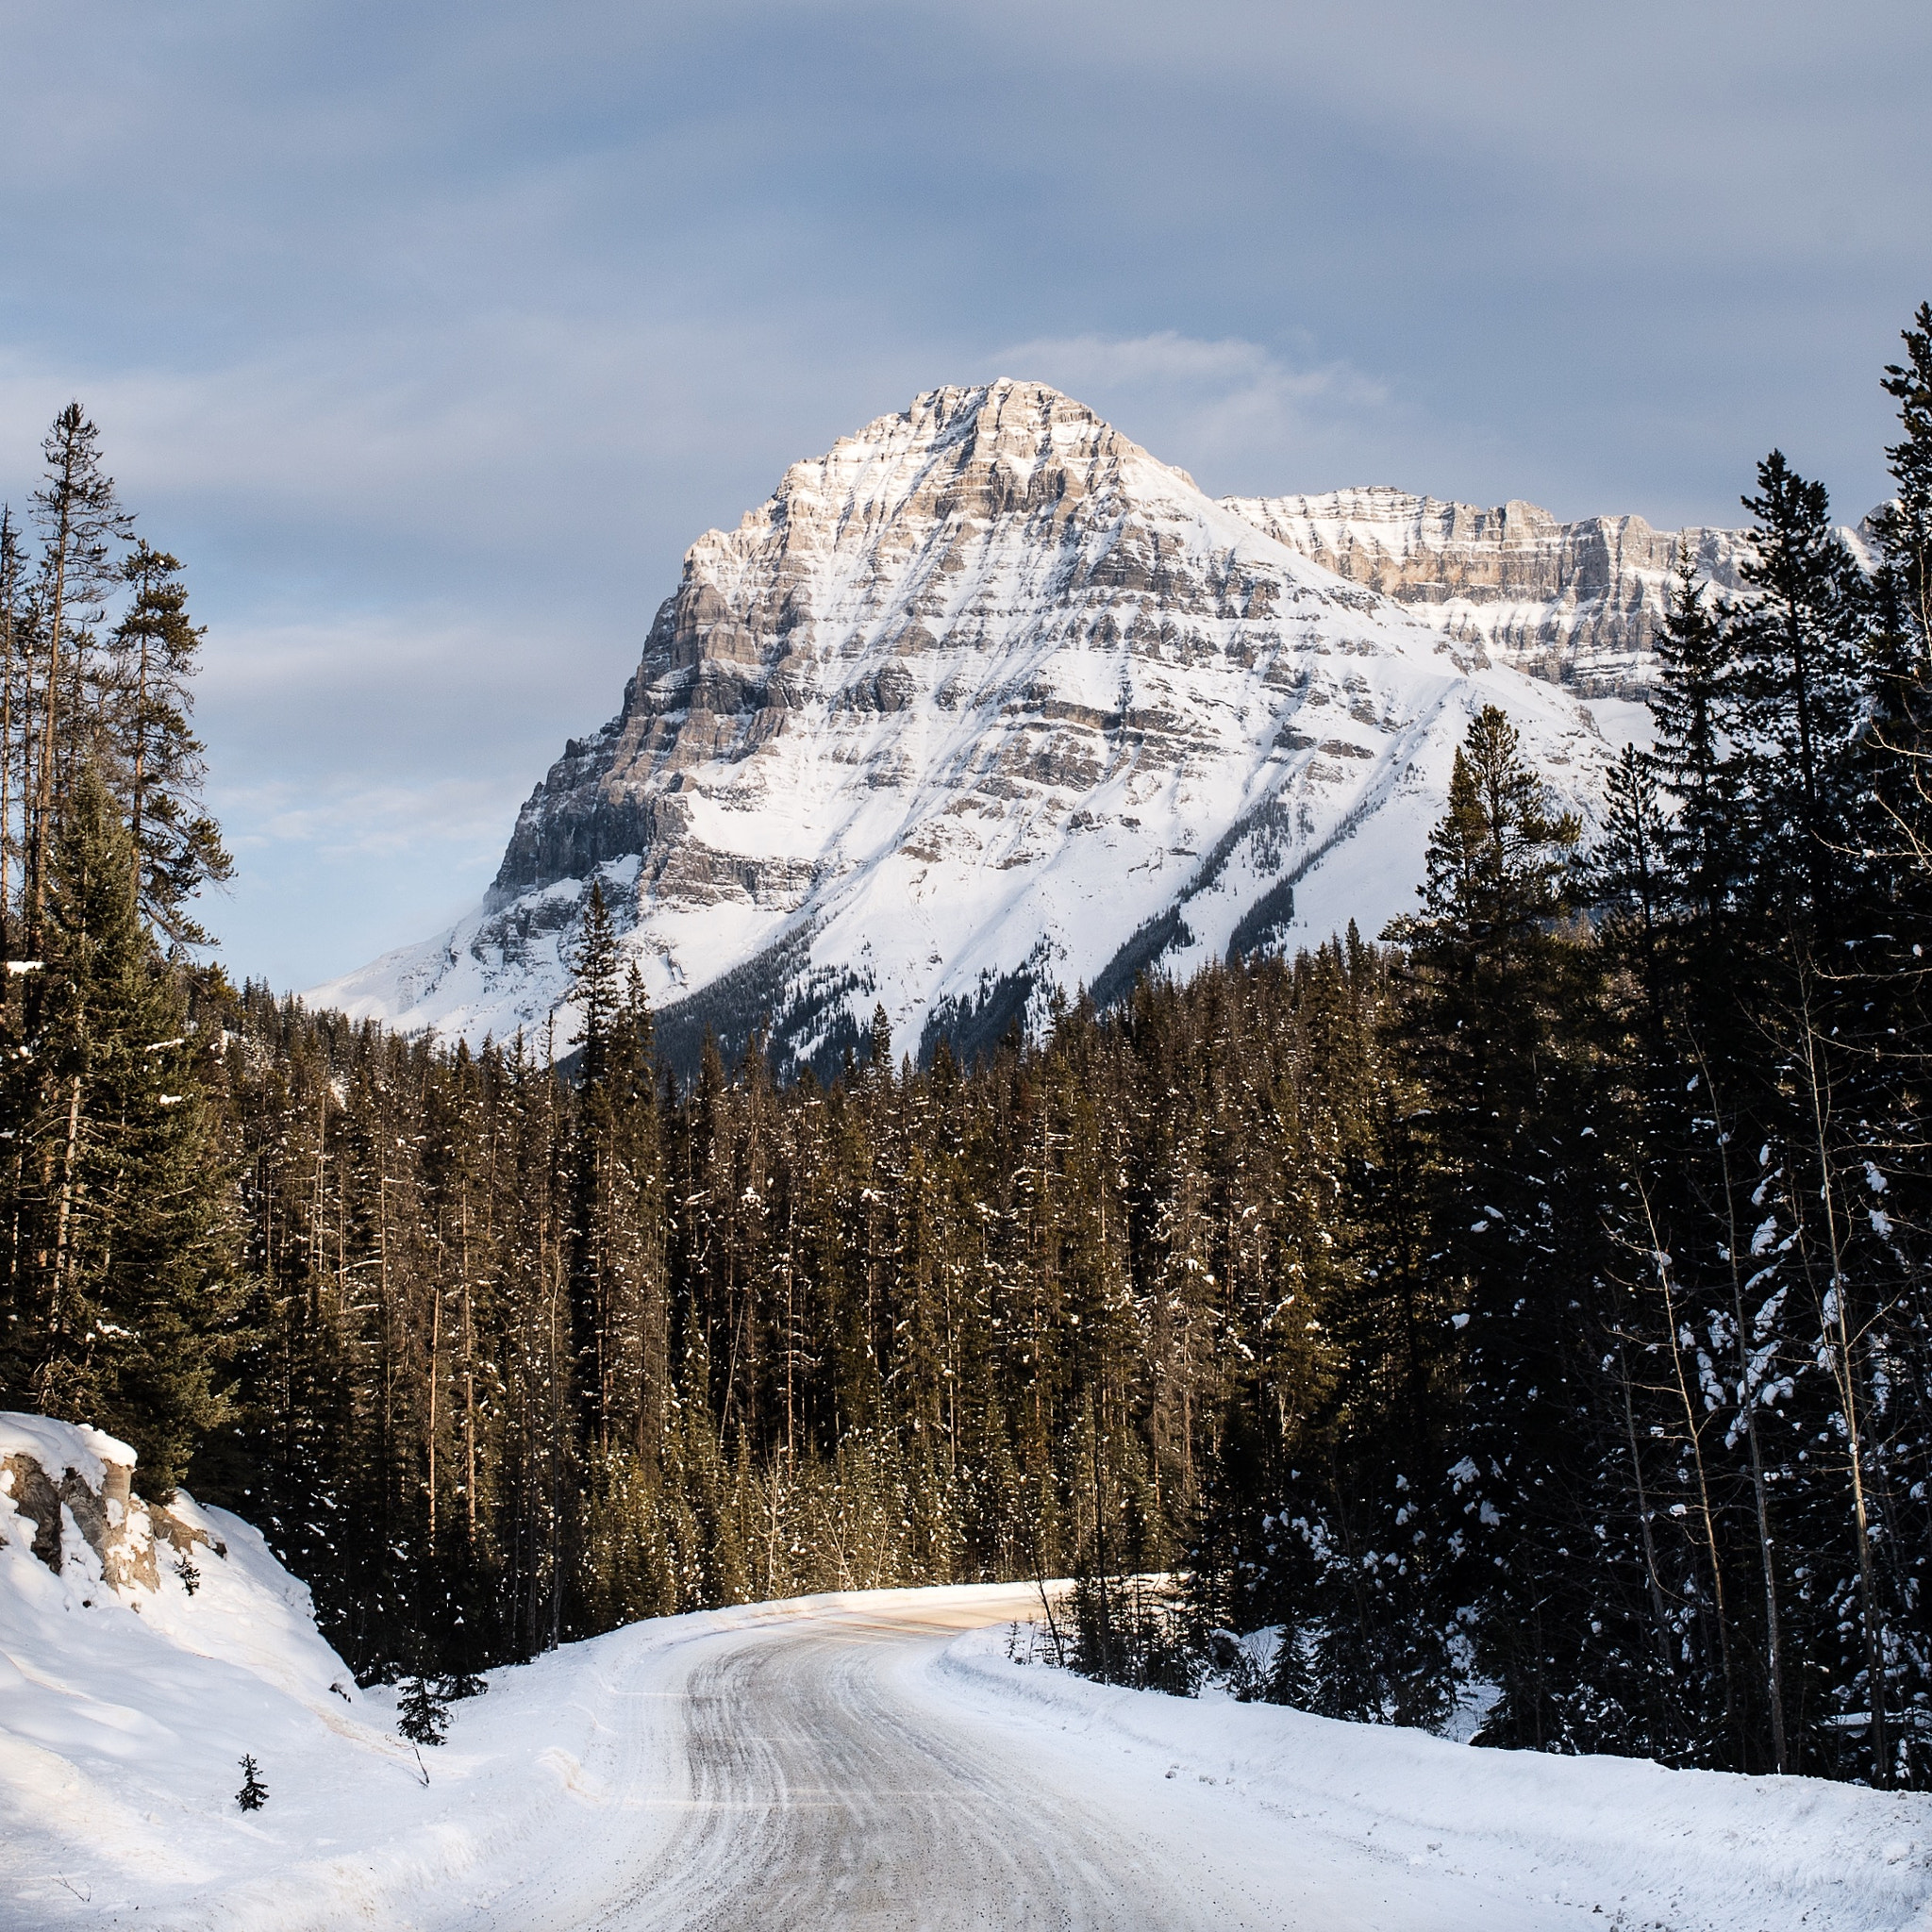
<point>983,702</point>
<point>968,451</point>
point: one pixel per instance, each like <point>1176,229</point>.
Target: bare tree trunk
<point>43,804</point>
<point>140,752</point>
<point>1837,1315</point>
<point>435,1375</point>
<point>468,1385</point>
<point>1693,1428</point>
<point>1657,1608</point>
<point>56,1309</point>
<point>9,574</point>
<point>1747,1402</point>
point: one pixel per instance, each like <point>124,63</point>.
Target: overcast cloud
<point>431,336</point>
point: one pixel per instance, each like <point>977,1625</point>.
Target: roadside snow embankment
<point>144,1651</point>
<point>1692,1851</point>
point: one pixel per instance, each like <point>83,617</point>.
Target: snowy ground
<point>863,1760</point>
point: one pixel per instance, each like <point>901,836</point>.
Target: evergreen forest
<point>1523,1309</point>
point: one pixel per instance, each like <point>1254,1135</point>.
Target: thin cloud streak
<point>1233,413</point>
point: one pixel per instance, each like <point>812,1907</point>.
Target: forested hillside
<point>1532,1295</point>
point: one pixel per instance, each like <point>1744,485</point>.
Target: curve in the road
<point>823,1796</point>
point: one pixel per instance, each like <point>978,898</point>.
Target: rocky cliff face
<point>983,701</point>
<point>1577,603</point>
<point>71,1489</point>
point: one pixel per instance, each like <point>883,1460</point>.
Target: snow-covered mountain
<point>1575,603</point>
<point>1579,603</point>
<point>984,701</point>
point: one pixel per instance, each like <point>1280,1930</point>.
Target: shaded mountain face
<point>983,703</point>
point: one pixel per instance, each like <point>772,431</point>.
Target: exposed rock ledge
<point>73,1484</point>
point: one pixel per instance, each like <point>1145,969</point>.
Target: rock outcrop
<point>67,1481</point>
<point>983,702</point>
<point>1577,603</point>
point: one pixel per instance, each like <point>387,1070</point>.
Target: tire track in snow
<point>823,1795</point>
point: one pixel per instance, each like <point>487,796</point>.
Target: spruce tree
<point>422,1713</point>
<point>1796,640</point>
<point>1692,705</point>
<point>1489,1027</point>
<point>596,993</point>
<point>159,766</point>
<point>81,524</point>
<point>130,1240</point>
<point>1900,734</point>
<point>254,1794</point>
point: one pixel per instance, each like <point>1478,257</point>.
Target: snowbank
<point>1693,1851</point>
<point>62,1446</point>
<point>124,1716</point>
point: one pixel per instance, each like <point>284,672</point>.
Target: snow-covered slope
<point>1575,603</point>
<point>142,1651</point>
<point>848,1760</point>
<point>984,701</point>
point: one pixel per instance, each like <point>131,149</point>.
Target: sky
<point>431,336</point>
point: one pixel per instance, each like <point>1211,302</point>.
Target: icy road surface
<point>867,1760</point>
<point>838,1774</point>
<point>858,1763</point>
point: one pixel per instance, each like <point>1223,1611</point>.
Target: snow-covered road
<point>836,1774</point>
<point>842,1775</point>
<point>877,1760</point>
<point>830,1789</point>
<point>868,1760</point>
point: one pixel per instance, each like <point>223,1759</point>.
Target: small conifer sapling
<point>421,1716</point>
<point>254,1794</point>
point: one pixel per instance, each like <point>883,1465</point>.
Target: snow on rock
<point>1577,603</point>
<point>982,703</point>
<point>63,1447</point>
<point>62,1480</point>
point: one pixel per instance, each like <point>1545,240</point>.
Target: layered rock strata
<point>982,702</point>
<point>1578,603</point>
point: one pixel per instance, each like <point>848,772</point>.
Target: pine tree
<point>1629,875</point>
<point>422,1715</point>
<point>595,992</point>
<point>124,1235</point>
<point>1692,706</point>
<point>1489,1027</point>
<point>1904,526</point>
<point>254,1794</point>
<point>1797,643</point>
<point>81,523</point>
<point>1900,735</point>
<point>159,767</point>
